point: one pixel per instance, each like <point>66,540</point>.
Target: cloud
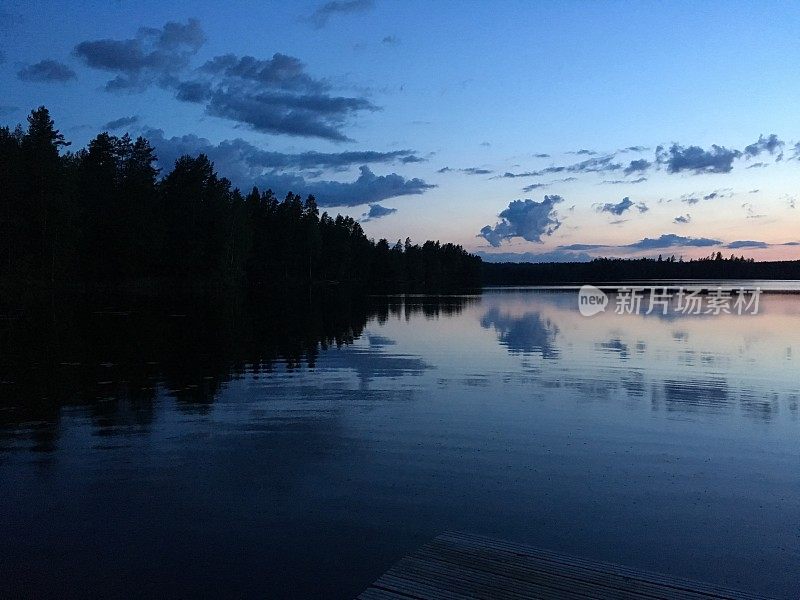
<point>682,219</point>
<point>121,122</point>
<point>485,144</point>
<point>245,165</point>
<point>534,186</point>
<point>274,95</point>
<point>669,240</point>
<point>697,160</point>
<point>758,165</point>
<point>242,161</point>
<point>583,152</point>
<point>622,181</point>
<point>391,40</point>
<point>541,155</point>
<point>320,17</point>
<point>475,171</point>
<point>47,71</point>
<point>746,244</point>
<point>620,207</point>
<point>368,188</point>
<point>527,219</point>
<point>581,247</point>
<point>717,194</point>
<point>153,55</point>
<point>535,257</point>
<point>468,170</point>
<point>634,149</point>
<point>637,166</point>
<point>376,211</point>
<point>591,165</point>
<point>770,144</point>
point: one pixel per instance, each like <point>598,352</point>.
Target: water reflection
<point>230,445</point>
<point>115,362</point>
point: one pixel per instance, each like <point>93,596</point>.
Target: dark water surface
<point>297,447</point>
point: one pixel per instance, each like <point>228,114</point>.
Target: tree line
<point>600,270</point>
<point>106,214</point>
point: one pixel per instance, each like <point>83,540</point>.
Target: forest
<point>105,214</point>
<point>606,270</point>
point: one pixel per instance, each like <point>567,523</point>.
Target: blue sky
<point>424,107</point>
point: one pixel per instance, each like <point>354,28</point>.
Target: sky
<point>521,130</point>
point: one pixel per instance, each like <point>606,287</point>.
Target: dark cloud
<point>245,165</point>
<point>770,144</point>
<point>618,208</point>
<point>376,211</point>
<point>527,219</point>
<point>534,186</point>
<point>634,149</point>
<point>622,181</point>
<point>305,115</point>
<point>485,144</point>
<point>154,55</point>
<point>697,160</point>
<point>623,205</point>
<point>682,219</point>
<point>320,17</point>
<point>583,152</point>
<point>746,244</point>
<point>591,165</point>
<point>391,40</point>
<point>468,170</point>
<point>412,159</point>
<point>541,155</point>
<point>637,166</point>
<point>242,161</point>
<point>47,71</point>
<point>274,95</point>
<point>368,188</point>
<point>758,165</point>
<point>718,194</point>
<point>121,122</point>
<point>668,240</point>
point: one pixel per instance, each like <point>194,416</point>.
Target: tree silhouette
<point>102,215</point>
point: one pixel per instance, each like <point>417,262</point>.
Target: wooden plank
<point>527,567</point>
<point>478,542</point>
<point>462,566</point>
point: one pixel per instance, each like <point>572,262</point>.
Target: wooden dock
<point>458,566</point>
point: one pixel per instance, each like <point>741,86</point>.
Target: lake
<point>297,447</point>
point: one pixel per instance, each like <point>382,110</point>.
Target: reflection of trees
<point>527,334</point>
<point>111,356</point>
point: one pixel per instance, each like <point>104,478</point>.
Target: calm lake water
<point>296,448</point>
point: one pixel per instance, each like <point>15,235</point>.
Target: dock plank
<point>461,566</point>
